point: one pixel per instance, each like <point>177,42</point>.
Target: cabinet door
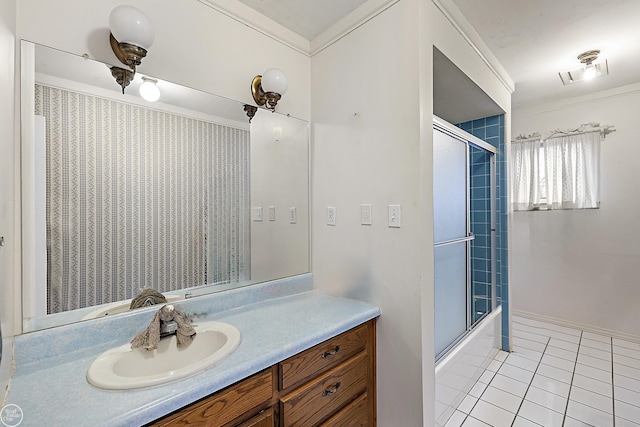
<point>263,419</point>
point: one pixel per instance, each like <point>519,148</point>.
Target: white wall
<point>372,144</point>
<point>583,266</point>
<point>8,191</point>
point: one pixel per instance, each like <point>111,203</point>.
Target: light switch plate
<point>331,216</point>
<point>272,213</point>
<point>257,214</point>
<point>395,216</point>
<point>293,216</point>
<point>365,214</point>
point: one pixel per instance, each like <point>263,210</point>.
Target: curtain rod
<point>584,128</point>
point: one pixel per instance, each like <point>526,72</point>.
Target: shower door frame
<point>471,140</point>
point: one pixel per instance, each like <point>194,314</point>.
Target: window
<point>559,172</point>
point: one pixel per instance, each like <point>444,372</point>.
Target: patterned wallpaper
<point>138,197</point>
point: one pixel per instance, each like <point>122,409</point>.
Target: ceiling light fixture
<point>131,36</point>
<point>590,70</point>
<point>269,88</point>
<point>149,90</point>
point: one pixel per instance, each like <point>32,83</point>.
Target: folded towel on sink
<point>150,337</point>
<point>146,298</point>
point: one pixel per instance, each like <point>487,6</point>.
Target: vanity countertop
<point>53,390</point>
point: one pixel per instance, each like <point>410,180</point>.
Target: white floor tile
<point>456,419</point>
<point>472,422</point>
<point>596,386</point>
<point>626,411</point>
<point>551,385</point>
<point>589,415</point>
<point>501,356</point>
<point>626,352</point>
<point>522,362</point>
<point>528,353</point>
<point>631,397</point>
<point>478,389</point>
<point>558,362</point>
<point>621,422</point>
<point>562,353</point>
<point>492,415</point>
<point>531,345</point>
<point>553,372</point>
<point>591,372</point>
<point>595,344</point>
<point>516,373</point>
<point>523,422</point>
<point>626,344</point>
<point>467,404</point>
<point>546,399</point>
<point>594,352</point>
<point>570,422</point>
<point>540,415</point>
<point>510,385</point>
<point>594,362</point>
<point>626,361</point>
<point>486,377</point>
<point>627,371</point>
<point>589,398</point>
<point>564,337</point>
<point>597,337</point>
<point>625,382</point>
<point>502,399</point>
<point>494,366</point>
<point>530,336</point>
<point>564,345</point>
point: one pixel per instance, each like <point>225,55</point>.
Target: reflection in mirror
<point>123,194</point>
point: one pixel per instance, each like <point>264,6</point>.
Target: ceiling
<point>533,40</point>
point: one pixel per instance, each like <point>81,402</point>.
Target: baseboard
<point>575,325</point>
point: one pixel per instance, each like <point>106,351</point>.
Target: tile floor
<point>556,376</point>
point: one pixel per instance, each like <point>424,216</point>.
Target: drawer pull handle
<point>331,353</point>
<point>331,390</point>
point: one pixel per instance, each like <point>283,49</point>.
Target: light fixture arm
<point>129,54</point>
<point>123,76</point>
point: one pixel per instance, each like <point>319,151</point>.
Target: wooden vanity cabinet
<point>331,385</point>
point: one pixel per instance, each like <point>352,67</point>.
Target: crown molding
<point>466,30</point>
<point>257,21</point>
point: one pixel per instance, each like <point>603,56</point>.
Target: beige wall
<point>372,144</point>
<point>582,266</point>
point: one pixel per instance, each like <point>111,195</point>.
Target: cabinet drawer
<point>263,419</point>
<point>226,405</point>
<point>315,401</point>
<point>323,356</point>
<point>355,414</point>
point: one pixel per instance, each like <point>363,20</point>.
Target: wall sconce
<point>269,88</point>
<point>131,36</point>
<point>149,90</point>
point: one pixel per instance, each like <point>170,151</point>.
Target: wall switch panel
<point>331,216</point>
<point>257,214</point>
<point>395,216</point>
<point>272,213</point>
<point>365,214</point>
<point>293,216</point>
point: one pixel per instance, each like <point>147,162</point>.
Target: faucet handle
<point>167,312</point>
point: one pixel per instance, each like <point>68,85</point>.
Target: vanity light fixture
<point>268,88</point>
<point>149,90</point>
<point>131,36</point>
<point>590,70</point>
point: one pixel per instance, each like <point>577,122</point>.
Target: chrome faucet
<point>168,326</point>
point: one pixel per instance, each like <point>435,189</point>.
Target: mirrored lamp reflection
<point>131,36</point>
<point>149,90</point>
<point>268,88</point>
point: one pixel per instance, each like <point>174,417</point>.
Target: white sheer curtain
<point>572,170</point>
<point>559,172</point>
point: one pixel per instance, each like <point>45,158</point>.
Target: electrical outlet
<point>272,213</point>
<point>331,216</point>
<point>257,214</point>
<point>293,216</point>
<point>395,216</point>
<point>365,214</point>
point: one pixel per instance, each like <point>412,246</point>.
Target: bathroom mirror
<point>183,195</point>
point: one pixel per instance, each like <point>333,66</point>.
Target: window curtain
<point>572,169</point>
<point>559,172</point>
<point>138,197</point>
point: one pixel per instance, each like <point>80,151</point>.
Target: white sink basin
<point>120,307</point>
<point>122,368</point>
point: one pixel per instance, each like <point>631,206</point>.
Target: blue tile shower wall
<point>491,130</point>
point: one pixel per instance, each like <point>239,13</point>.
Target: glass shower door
<point>451,239</point>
